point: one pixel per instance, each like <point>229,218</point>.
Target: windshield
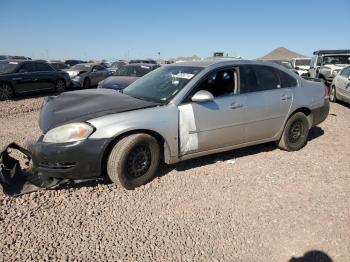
<point>136,71</point>
<point>7,67</point>
<point>286,64</point>
<point>117,64</point>
<point>81,67</point>
<point>336,59</point>
<point>162,84</point>
<point>302,62</point>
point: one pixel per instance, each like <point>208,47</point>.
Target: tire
<point>134,160</point>
<point>86,83</point>
<point>295,133</point>
<point>6,92</point>
<point>333,95</point>
<point>60,86</point>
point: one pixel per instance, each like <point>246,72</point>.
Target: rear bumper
<point>78,160</point>
<point>320,114</point>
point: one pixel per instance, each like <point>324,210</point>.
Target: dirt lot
<point>262,205</point>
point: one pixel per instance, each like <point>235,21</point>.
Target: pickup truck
<point>326,64</point>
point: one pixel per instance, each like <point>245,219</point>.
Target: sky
<point>68,29</point>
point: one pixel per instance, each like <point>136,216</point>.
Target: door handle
<point>236,105</point>
<point>286,97</point>
<point>35,79</point>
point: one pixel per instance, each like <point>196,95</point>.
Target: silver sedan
<point>87,75</point>
<point>174,113</point>
<point>340,88</point>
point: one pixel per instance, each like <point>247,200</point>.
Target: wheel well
<point>7,82</point>
<point>115,140</point>
<point>306,111</point>
<point>10,84</point>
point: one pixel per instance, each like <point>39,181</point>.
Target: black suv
<point>25,76</point>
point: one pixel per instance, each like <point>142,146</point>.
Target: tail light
<point>326,91</point>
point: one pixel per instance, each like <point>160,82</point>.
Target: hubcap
<point>139,161</point>
<point>296,131</point>
<point>5,92</point>
<point>60,85</point>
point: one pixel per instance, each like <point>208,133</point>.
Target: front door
<point>213,124</point>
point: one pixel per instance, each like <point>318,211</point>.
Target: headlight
<point>335,72</point>
<point>68,133</point>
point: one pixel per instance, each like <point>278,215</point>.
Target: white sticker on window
<point>183,75</point>
<point>14,63</point>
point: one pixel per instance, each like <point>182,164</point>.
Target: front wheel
<point>134,160</point>
<point>60,86</point>
<point>333,95</point>
<point>6,92</point>
<point>295,133</point>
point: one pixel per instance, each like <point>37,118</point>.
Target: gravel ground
<point>254,204</point>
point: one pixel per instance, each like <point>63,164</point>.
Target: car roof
<point>142,64</point>
<point>220,62</point>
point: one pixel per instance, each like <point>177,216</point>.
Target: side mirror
<point>297,68</point>
<point>202,96</point>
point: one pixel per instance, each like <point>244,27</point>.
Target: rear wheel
<point>295,133</point>
<point>6,92</point>
<point>333,94</point>
<point>86,83</point>
<point>60,86</point>
<point>134,160</point>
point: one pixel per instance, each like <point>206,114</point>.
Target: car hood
<point>118,82</point>
<point>304,67</point>
<point>336,67</point>
<point>80,106</point>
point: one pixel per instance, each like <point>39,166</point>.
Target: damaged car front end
<point>63,153</point>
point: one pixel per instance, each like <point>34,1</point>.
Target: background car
<point>286,64</point>
<point>145,61</point>
<point>301,65</point>
<point>87,74</point>
<point>26,76</point>
<point>126,75</point>
<point>326,64</point>
<point>115,65</point>
<point>340,88</point>
<point>73,62</point>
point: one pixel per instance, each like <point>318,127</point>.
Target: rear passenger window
<point>286,79</point>
<point>258,78</point>
<point>27,68</point>
<point>267,78</point>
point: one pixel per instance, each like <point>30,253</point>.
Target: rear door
<point>267,101</point>
<point>46,76</point>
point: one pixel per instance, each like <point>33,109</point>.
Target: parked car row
<point>27,76</point>
<point>18,76</point>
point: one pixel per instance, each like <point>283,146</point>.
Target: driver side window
<point>219,83</point>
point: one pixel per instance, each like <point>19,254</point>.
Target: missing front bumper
<point>16,181</point>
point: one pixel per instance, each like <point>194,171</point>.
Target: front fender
<point>162,120</point>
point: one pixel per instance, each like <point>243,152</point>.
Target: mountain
<point>281,53</point>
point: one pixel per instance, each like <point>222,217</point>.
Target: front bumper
<point>75,83</point>
<point>77,160</point>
